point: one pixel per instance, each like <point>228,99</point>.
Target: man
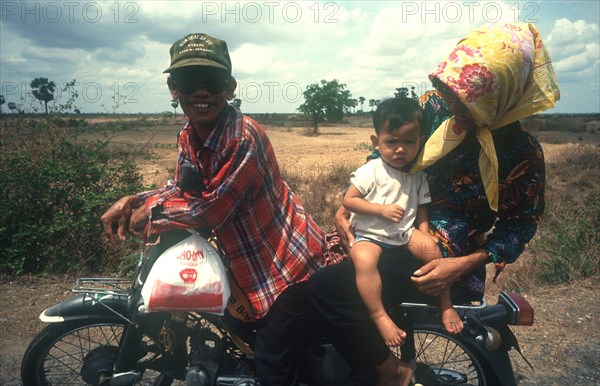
<point>273,246</point>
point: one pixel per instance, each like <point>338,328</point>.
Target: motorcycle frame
<point>123,305</point>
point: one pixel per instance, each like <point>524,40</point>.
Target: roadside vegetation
<point>59,173</point>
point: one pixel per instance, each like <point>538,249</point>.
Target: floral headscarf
<point>501,73</point>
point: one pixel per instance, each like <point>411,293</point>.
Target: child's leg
<point>450,317</point>
<point>423,246</point>
<point>365,256</point>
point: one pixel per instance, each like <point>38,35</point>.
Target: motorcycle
<point>105,336</point>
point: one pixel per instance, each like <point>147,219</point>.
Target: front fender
<point>496,363</point>
<point>84,306</point>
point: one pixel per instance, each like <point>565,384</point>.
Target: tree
<point>2,101</point>
<point>361,100</point>
<point>174,104</point>
<point>371,103</point>
<point>353,104</point>
<point>12,106</point>
<point>43,90</point>
<point>325,100</point>
<point>237,102</point>
<point>413,94</point>
<point>401,92</point>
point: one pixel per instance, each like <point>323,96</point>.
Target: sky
<point>117,50</point>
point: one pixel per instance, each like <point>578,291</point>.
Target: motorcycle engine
<point>207,351</point>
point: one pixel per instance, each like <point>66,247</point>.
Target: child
<point>388,213</point>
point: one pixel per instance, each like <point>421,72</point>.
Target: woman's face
<point>462,116</point>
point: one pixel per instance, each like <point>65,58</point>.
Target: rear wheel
<point>443,360</point>
<point>83,353</point>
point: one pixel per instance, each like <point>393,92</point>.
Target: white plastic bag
<point>189,276</point>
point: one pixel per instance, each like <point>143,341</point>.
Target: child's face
<point>400,146</point>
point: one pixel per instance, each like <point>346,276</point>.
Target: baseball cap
<point>199,49</point>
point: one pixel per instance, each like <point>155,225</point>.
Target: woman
<point>486,174</point>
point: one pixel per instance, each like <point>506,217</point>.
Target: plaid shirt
<point>270,240</point>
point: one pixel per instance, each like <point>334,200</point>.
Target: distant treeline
<point>576,123</point>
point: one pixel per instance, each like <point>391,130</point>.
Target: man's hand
<point>116,220</point>
<point>138,221</point>
<point>392,212</point>
<point>344,228</point>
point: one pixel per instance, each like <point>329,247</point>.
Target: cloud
<point>371,46</point>
<point>250,59</point>
<point>575,52</point>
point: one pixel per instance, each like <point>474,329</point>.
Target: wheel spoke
<point>61,357</point>
<point>446,359</point>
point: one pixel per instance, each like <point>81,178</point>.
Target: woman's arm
<point>437,275</point>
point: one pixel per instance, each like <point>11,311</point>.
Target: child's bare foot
<point>391,334</point>
<point>451,320</point>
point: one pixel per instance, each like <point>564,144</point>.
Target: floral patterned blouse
<point>459,212</point>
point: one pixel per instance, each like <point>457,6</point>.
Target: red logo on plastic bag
<point>192,255</point>
<point>188,275</point>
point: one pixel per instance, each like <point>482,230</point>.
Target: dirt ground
<point>563,345</point>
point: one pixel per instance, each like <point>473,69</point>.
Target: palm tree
<point>174,104</point>
<point>361,100</point>
<point>43,90</point>
<point>371,103</point>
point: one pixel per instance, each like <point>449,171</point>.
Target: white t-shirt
<point>380,183</point>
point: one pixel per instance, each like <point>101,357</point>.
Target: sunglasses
<point>188,80</point>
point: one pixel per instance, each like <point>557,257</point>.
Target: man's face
<point>201,92</point>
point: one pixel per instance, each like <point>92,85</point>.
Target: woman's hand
<point>344,228</point>
<point>116,220</point>
<point>437,275</point>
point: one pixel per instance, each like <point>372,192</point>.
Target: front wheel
<point>443,360</point>
<point>82,353</point>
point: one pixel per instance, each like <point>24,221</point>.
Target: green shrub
<point>567,249</point>
<point>567,246</point>
<point>54,188</point>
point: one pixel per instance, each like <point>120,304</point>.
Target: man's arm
<point>116,219</point>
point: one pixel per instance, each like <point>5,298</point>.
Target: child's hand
<point>392,212</point>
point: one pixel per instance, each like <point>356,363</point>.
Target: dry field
<point>563,345</point>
